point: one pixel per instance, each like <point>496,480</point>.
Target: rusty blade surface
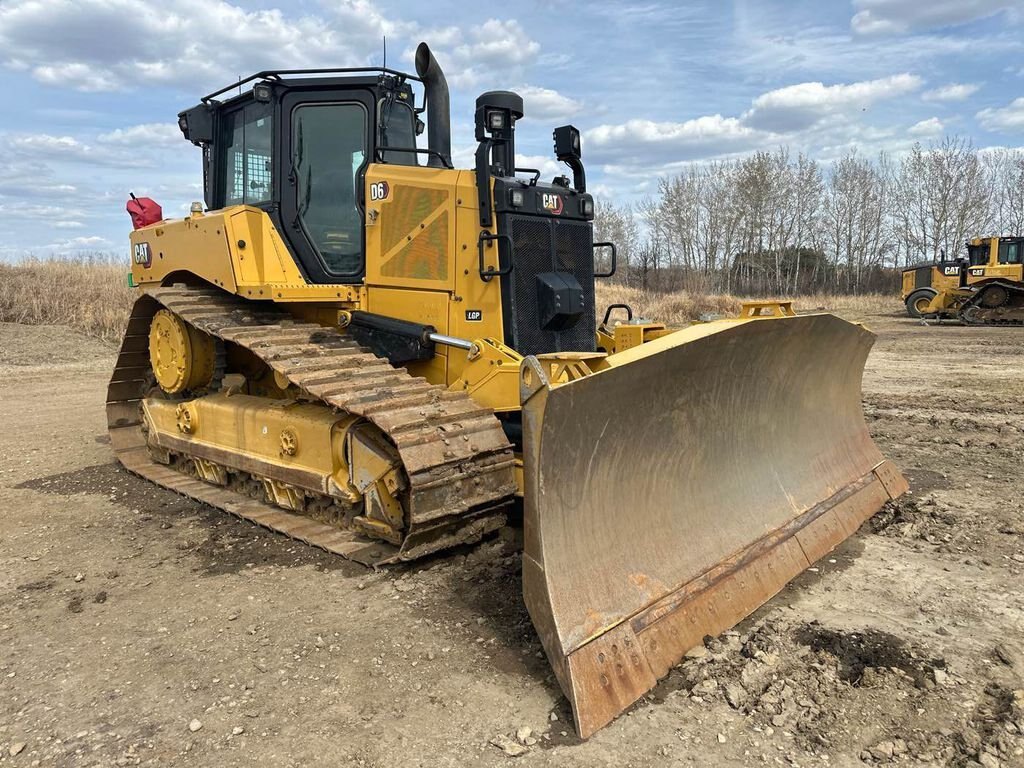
<point>670,495</point>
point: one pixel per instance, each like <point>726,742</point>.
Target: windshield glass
<point>328,142</point>
<point>397,129</point>
<point>1010,253</point>
<point>246,157</point>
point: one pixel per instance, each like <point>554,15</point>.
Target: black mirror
<point>196,124</point>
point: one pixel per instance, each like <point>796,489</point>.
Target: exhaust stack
<point>439,132</point>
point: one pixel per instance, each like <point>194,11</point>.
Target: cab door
<point>980,257</point>
<point>325,146</point>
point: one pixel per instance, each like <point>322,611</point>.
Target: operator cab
<point>297,147</point>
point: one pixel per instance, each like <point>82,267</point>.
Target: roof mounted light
<point>495,120</point>
<point>262,92</point>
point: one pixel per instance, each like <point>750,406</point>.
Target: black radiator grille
<point>544,244</point>
<point>923,277</point>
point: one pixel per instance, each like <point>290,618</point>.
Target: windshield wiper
<point>307,191</point>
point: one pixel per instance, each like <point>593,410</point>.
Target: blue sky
<point>93,87</point>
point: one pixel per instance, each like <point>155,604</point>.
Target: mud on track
<point>127,612</point>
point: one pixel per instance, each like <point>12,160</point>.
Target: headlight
<point>261,92</point>
<point>516,197</point>
<point>496,120</point>
<point>587,207</point>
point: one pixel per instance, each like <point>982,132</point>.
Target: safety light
<point>261,92</point>
<point>517,198</point>
<point>495,120</point>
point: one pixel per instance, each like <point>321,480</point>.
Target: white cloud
<point>31,179</point>
<point>930,127</point>
<point>119,148</point>
<point>25,210</point>
<point>103,45</point>
<point>801,106</point>
<point>83,77</point>
<point>83,243</point>
<point>43,144</point>
<point>890,17</point>
<point>547,104</point>
<point>644,141</point>
<point>547,165</point>
<point>493,52</point>
<point>951,92</point>
<point>1008,119</point>
<point>824,118</point>
<point>148,134</point>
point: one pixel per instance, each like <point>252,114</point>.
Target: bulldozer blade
<point>670,494</point>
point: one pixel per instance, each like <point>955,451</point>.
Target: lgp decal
<point>552,203</point>
<point>379,190</point>
<point>474,316</point>
<point>142,255</point>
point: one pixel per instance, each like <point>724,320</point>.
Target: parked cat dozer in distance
<point>986,288</point>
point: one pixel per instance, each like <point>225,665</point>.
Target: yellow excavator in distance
<point>383,358</point>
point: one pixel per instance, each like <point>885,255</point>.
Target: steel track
<point>458,461</point>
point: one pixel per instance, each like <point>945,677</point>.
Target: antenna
<point>385,38</point>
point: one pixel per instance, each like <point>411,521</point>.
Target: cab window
<point>397,128</point>
<point>978,255</point>
<point>1010,253</point>
<point>328,156</point>
<point>246,156</point>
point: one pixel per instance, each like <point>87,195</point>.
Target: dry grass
<point>93,298</point>
<point>682,306</point>
<point>96,299</point>
<point>849,305</point>
<point>670,308</point>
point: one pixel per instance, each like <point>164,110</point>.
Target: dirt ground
<point>137,627</point>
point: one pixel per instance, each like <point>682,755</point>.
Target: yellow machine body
<point>671,479</point>
<point>425,274</point>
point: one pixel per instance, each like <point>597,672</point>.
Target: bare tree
<point>941,198</point>
<point>1004,171</point>
<point>771,223</point>
<point>618,226</point>
<point>854,218</point>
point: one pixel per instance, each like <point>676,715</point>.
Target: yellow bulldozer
<point>385,357</point>
<point>986,288</point>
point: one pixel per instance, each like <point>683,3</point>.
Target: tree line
<point>774,223</point>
